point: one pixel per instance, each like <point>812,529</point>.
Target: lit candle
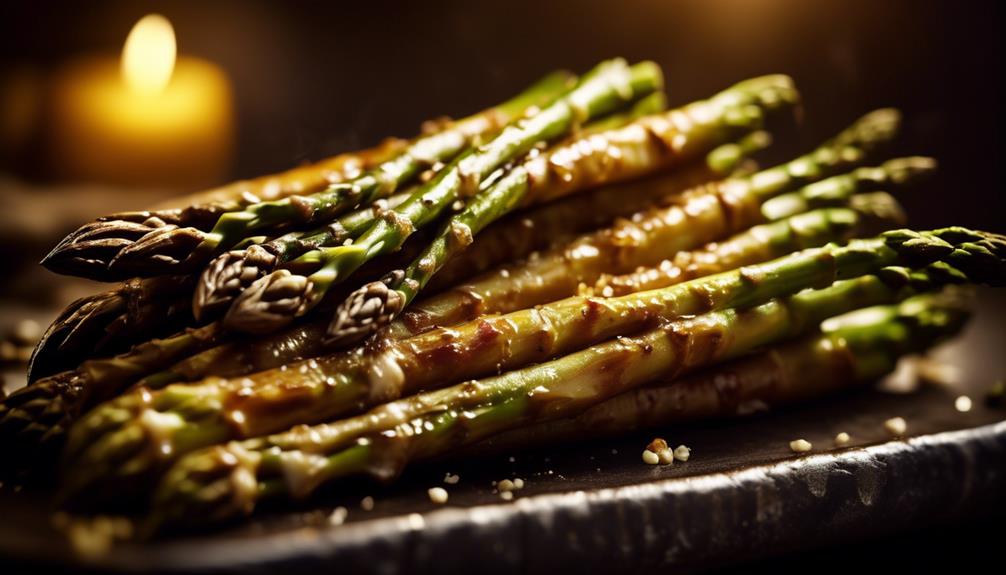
<point>147,119</point>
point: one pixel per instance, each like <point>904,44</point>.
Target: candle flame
<point>148,58</point>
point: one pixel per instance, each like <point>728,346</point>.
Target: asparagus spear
<point>129,438</point>
<point>109,322</point>
<point>229,480</point>
<point>700,216</point>
<point>232,272</point>
<point>653,143</point>
<point>275,300</point>
<point>136,245</point>
<point>854,349</point>
<point>870,213</point>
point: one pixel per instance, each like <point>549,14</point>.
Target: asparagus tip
<point>269,303</point>
<point>227,276</point>
<point>366,311</point>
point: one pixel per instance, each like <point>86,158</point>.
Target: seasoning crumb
<point>650,458</point>
<point>842,439</point>
<point>666,456</point>
<point>367,503</point>
<point>506,495</point>
<point>438,495</point>
<point>451,479</point>
<point>896,426</point>
<point>505,485</point>
<point>800,445</point>
<point>518,483</point>
<point>962,404</point>
<point>682,452</point>
<point>338,516</point>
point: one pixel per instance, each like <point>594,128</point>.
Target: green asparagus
<point>656,142</point>
<point>276,299</point>
<point>118,248</point>
<point>126,440</point>
<point>230,479</point>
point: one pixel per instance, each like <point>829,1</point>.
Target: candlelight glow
<point>148,58</point>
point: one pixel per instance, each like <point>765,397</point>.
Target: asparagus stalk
<point>232,272</point>
<point>854,349</point>
<point>869,214</point>
<point>229,480</point>
<point>130,438</point>
<point>700,216</point>
<point>650,144</point>
<point>275,300</point>
<point>136,245</point>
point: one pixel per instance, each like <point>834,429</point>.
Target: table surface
<point>743,494</point>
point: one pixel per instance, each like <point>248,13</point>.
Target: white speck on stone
<point>962,404</point>
<point>800,445</point>
<point>896,426</point>
<point>438,495</point>
<point>338,516</point>
<point>682,452</point>
<point>367,503</point>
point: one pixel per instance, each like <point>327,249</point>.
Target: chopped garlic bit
<point>666,456</point>
<point>338,516</point>
<point>367,503</point>
<point>657,445</point>
<point>505,485</point>
<point>451,479</point>
<point>438,495</point>
<point>800,445</point>
<point>506,495</point>
<point>682,452</point>
<point>650,458</point>
<point>896,426</point>
<point>842,439</point>
<point>518,483</point>
<point>962,404</point>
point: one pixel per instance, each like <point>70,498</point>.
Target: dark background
<point>315,78</point>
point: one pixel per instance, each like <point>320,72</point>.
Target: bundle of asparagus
<point>552,267</point>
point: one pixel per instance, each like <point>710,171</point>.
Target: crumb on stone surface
<point>842,439</point>
<point>800,446</point>
<point>896,426</point>
<point>451,479</point>
<point>963,404</point>
<point>650,458</point>
<point>438,495</point>
<point>367,503</point>
<point>682,452</point>
<point>506,495</point>
<point>338,516</point>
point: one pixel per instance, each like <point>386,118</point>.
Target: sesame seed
<point>800,445</point>
<point>896,426</point>
<point>650,458</point>
<point>842,439</point>
<point>437,495</point>
<point>682,452</point>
